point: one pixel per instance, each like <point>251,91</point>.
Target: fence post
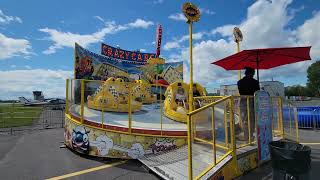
<point>214,137</point>
<point>296,123</point>
<point>281,117</point>
<point>248,119</point>
<point>225,123</point>
<point>232,136</point>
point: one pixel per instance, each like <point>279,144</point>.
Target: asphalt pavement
<point>37,155</point>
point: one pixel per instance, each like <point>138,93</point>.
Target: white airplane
<point>53,101</point>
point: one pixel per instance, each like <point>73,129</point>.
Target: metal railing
<point>202,133</point>
<point>127,121</point>
<point>234,111</point>
<point>17,117</point>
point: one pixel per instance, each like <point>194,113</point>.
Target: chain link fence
<point>16,118</point>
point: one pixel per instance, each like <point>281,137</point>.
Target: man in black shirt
<point>247,86</point>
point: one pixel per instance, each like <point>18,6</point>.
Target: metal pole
<point>249,124</point>
<point>67,96</point>
<point>102,105</point>
<point>161,120</point>
<point>258,67</point>
<point>191,69</point>
<point>214,137</point>
<point>189,148</point>
<point>238,50</point>
<point>82,101</point>
<point>130,113</point>
<point>281,117</point>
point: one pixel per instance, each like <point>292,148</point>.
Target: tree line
<point>312,88</point>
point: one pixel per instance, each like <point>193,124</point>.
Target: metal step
<point>174,164</point>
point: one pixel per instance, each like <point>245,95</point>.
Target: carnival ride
<point>114,96</point>
<point>142,89</point>
<point>117,119</point>
<point>176,102</point>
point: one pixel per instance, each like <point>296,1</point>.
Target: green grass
<point>15,115</point>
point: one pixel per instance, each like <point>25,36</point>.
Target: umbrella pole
<point>258,67</point>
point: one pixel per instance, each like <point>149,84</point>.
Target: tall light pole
<point>192,13</point>
<point>237,34</point>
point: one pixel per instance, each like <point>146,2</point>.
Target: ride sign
<point>263,114</point>
<point>118,53</point>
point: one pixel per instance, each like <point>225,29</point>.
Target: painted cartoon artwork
<point>67,136</point>
<point>80,139</point>
<point>84,67</point>
<point>100,143</point>
<point>104,144</point>
<point>164,145</point>
<point>89,65</point>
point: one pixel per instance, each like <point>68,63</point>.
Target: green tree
<point>313,83</point>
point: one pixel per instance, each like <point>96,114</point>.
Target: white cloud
<point>140,23</point>
<point>171,45</point>
<point>99,18</point>
<point>158,1</point>
<point>62,39</point>
<point>22,82</point>
<point>4,19</point>
<point>260,30</point>
<point>206,11</point>
<point>10,47</point>
<point>13,66</point>
<point>142,50</point>
<point>178,17</point>
<point>28,67</point>
<point>176,43</point>
<point>308,34</point>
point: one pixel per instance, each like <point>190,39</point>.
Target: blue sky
<point>37,37</point>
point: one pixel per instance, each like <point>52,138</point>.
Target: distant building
<point>274,88</point>
<point>38,96</point>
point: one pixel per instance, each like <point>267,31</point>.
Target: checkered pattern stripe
<point>169,96</point>
<point>113,91</point>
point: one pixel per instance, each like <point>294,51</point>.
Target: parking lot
<point>37,155</point>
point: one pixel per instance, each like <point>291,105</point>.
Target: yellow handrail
<point>207,106</point>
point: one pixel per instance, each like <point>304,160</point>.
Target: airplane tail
<point>24,100</point>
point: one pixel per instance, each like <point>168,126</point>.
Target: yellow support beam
<point>214,137</point>
<point>248,115</point>
<point>67,96</point>
<point>191,69</point>
<point>190,177</point>
<point>130,113</point>
<point>82,101</point>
